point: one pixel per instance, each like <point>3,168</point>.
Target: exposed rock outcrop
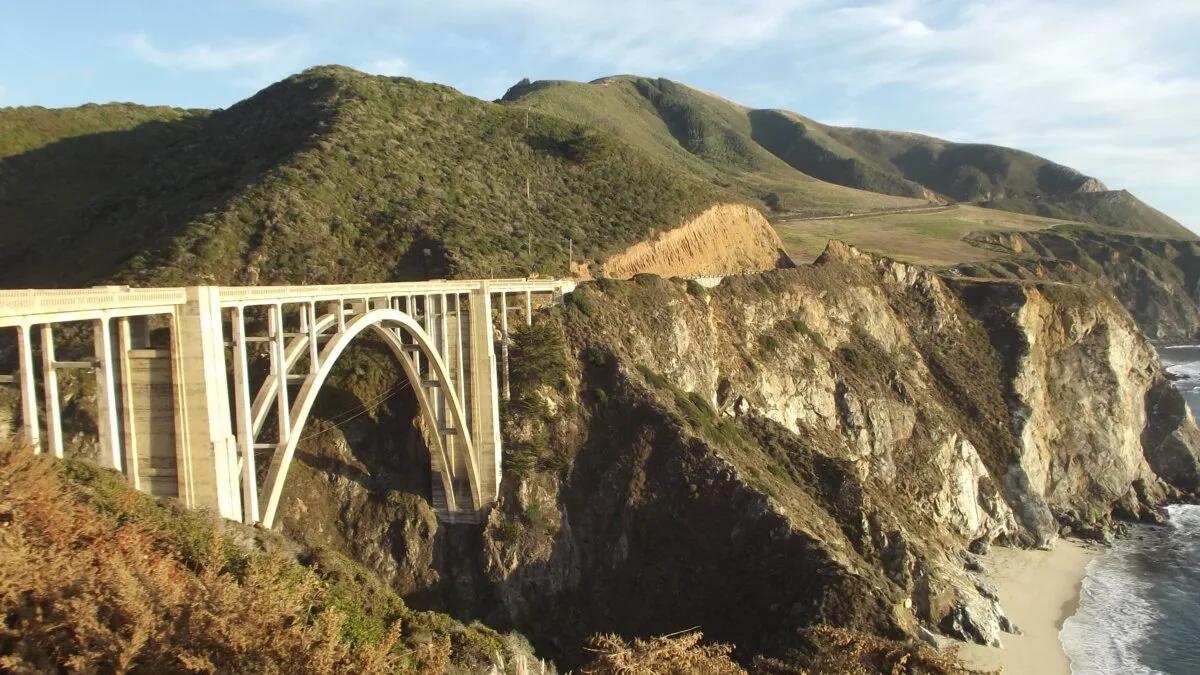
<point>1090,184</point>
<point>826,444</point>
<point>724,239</point>
<point>1156,279</point>
<point>835,443</point>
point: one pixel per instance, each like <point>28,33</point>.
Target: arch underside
<point>452,452</point>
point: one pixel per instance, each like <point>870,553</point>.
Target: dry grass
<point>84,589</point>
<point>838,651</point>
<point>679,654</point>
<point>933,237</point>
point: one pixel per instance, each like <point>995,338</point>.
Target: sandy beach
<point>1039,590</point>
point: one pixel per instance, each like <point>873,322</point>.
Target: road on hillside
<point>871,214</point>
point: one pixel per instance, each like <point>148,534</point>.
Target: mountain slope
<point>336,176</point>
<point>54,164</point>
<point>736,145</point>
<point>702,134</point>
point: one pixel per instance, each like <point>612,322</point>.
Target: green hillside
<point>55,164</point>
<point>336,176</point>
<point>709,137</point>
<point>779,153</point>
<point>29,128</point>
<point>332,175</point>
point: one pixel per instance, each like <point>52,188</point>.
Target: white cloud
<point>391,67</point>
<point>1110,90</point>
<point>649,36</point>
<point>206,57</point>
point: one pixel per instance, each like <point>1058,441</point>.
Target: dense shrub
<point>666,655</point>
<point>96,577</point>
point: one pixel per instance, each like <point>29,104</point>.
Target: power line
<point>366,406</point>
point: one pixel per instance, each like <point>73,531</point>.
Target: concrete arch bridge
<point>188,417</point>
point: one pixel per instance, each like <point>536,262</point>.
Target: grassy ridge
<point>775,155</point>
<point>29,128</point>
<point>706,136</point>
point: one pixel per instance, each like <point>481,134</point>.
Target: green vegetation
<point>537,366</point>
<point>336,176</point>
<point>702,135</point>
<point>31,128</point>
<point>57,169</point>
<point>936,236</point>
<point>773,157</point>
<point>698,412</point>
<point>804,146</point>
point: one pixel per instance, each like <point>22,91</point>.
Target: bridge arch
<point>384,323</point>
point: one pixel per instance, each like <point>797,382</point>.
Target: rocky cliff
<point>836,443</point>
<point>1156,279</point>
<point>724,239</point>
<point>828,444</point>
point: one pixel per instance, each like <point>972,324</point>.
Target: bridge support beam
<point>205,447</point>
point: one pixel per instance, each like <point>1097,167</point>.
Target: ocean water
<point>1139,610</point>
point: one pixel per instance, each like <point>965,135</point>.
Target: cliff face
<point>826,444</point>
<point>1156,279</point>
<point>724,239</point>
<point>835,443</point>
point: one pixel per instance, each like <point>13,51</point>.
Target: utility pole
<point>526,188</point>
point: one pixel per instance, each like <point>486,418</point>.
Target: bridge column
<point>206,450</point>
<point>485,395</point>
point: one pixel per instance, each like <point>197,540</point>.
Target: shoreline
<point>1039,590</point>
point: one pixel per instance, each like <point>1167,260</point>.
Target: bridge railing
<point>35,306</point>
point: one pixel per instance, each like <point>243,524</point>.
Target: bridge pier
<point>206,449</point>
<point>484,399</point>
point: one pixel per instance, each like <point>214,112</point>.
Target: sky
<point>1109,88</point>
